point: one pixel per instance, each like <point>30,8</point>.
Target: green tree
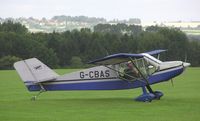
<point>76,62</point>
<point>80,46</point>
<point>6,62</point>
<point>10,26</point>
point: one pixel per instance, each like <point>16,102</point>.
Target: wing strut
<point>147,82</point>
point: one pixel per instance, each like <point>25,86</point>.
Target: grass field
<point>180,103</point>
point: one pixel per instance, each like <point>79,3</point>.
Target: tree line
<point>77,47</point>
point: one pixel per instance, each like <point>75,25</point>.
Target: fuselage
<point>104,78</point>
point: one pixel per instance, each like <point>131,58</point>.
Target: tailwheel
<point>33,98</point>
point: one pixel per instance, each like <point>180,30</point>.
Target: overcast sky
<point>146,10</point>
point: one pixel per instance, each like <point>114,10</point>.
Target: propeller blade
<point>172,82</point>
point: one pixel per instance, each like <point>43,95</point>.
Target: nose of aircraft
<point>172,64</point>
<point>185,64</point>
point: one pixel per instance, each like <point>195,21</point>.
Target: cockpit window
<point>127,70</point>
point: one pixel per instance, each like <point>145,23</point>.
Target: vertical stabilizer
<point>33,70</point>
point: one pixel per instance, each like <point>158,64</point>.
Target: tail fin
<point>33,70</point>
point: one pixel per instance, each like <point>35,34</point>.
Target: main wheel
<point>158,95</point>
<point>147,100</point>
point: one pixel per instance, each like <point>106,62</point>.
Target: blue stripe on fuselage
<point>165,75</point>
<point>107,84</point>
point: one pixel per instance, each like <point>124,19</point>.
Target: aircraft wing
<point>116,58</point>
<point>155,52</point>
<point>121,57</point>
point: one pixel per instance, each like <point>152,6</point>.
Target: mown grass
<point>180,103</point>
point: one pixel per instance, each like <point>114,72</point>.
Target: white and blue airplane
<point>113,72</point>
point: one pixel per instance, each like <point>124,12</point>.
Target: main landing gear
<point>148,97</point>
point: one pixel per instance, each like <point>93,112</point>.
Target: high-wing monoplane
<point>113,72</point>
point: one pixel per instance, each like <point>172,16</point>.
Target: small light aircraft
<point>113,72</point>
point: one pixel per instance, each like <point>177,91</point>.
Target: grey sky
<point>161,10</point>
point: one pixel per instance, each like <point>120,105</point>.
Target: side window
<point>122,68</point>
<point>151,69</point>
<point>128,71</point>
